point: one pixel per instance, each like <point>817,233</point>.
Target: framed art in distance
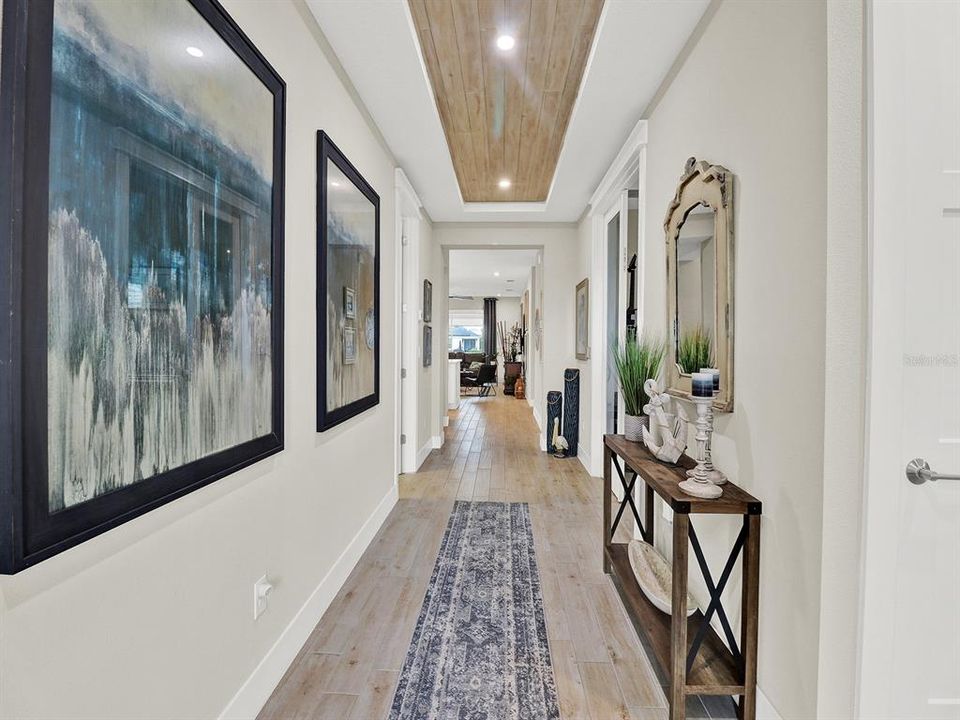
<point>427,301</point>
<point>582,324</point>
<point>348,259</point>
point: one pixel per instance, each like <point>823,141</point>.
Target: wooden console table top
<point>665,480</point>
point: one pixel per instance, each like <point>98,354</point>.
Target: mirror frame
<point>710,185</point>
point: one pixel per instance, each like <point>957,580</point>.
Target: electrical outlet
<point>261,596</point>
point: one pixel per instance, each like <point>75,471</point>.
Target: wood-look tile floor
<point>348,668</point>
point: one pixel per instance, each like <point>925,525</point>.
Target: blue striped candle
<point>716,377</point>
<point>702,384</point>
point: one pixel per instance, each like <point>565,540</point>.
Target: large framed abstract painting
<point>141,203</point>
<point>348,266</point>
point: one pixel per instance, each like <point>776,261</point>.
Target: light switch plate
<point>261,596</point>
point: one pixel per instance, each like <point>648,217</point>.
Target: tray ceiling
<point>505,111</point>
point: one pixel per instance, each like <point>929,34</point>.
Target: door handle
<point>918,472</point>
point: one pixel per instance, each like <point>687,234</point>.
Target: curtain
<point>490,328</point>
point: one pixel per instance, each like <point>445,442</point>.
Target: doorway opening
<point>493,312</point>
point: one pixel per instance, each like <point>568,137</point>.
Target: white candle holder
<point>714,475</point>
<point>698,483</point>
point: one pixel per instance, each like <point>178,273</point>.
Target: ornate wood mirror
<point>699,233</point>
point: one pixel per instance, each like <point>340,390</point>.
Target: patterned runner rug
<point>479,651</point>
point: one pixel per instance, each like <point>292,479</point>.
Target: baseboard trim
<point>584,459</point>
<point>765,709</point>
<point>424,451</point>
<point>256,690</point>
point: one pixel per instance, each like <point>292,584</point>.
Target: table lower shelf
<point>714,671</point>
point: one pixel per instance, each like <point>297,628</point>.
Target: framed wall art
<point>142,246</point>
<point>427,301</point>
<point>348,257</point>
<point>349,346</point>
<point>582,312</point>
<point>427,346</point>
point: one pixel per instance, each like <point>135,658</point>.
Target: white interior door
<point>910,663</point>
<point>409,342</point>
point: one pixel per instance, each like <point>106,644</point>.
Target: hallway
<point>349,666</point>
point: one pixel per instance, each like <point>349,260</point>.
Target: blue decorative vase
<point>571,409</point>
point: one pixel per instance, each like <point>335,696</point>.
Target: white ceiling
<point>472,272</point>
<point>637,42</point>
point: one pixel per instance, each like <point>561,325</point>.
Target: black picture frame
<point>31,533</point>
<point>326,419</point>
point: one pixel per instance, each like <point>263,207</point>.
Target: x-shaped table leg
<point>627,498</point>
<point>715,606</point>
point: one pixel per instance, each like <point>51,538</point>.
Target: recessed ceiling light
<point>504,184</point>
<point>506,42</point>
<point>499,294</point>
<point>195,51</point>
<point>496,274</point>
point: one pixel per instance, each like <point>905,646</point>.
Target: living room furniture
<point>467,357</point>
<point>688,653</point>
<point>484,382</point>
<point>511,371</point>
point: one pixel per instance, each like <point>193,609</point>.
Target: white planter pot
<point>633,427</point>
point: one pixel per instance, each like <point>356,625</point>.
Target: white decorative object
<point>666,437</point>
<point>698,484</point>
<point>560,445</point>
<point>654,576</point>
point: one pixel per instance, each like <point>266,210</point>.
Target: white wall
<point>153,619</point>
<point>845,373</point>
<point>752,96</point>
<point>431,381</point>
<point>583,268</point>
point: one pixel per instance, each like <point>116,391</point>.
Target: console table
<point>691,655</point>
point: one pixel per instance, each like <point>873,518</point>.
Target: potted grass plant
<point>637,361</point>
<point>694,351</point>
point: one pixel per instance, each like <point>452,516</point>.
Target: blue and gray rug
<point>479,651</point>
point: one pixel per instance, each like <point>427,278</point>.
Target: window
<point>466,330</point>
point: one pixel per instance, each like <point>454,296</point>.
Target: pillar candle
<point>702,384</point>
<point>715,373</point>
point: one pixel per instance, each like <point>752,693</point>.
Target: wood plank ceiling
<point>505,112</point>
